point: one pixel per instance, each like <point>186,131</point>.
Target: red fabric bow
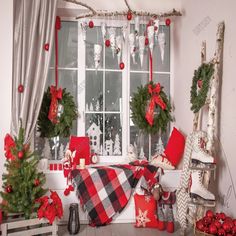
<point>56,94</point>
<point>156,99</point>
<point>9,144</point>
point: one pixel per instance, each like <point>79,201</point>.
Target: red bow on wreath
<point>156,99</point>
<point>56,94</point>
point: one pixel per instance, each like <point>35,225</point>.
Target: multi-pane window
<point>103,93</point>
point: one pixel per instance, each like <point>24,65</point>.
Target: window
<point>103,94</point>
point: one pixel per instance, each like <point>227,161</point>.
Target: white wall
<point>6,23</point>
<point>200,23</point>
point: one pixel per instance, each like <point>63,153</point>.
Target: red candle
<point>55,166</point>
<point>60,166</point>
<point>51,166</point>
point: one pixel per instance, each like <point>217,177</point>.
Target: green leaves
<point>63,127</point>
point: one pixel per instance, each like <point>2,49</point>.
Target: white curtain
<point>34,24</point>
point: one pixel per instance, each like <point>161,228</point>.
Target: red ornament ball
<point>20,154</point>
<point>155,28</point>
<point>91,24</point>
<point>233,230</point>
<point>107,43</point>
<point>146,41</point>
<point>21,88</point>
<point>206,220</point>
<point>222,216</point>
<point>122,65</point>
<point>129,15</point>
<point>46,46</point>
<point>217,224</point>
<point>9,189</point>
<point>210,214</point>
<point>212,229</point>
<point>221,232</point>
<point>168,21</point>
<point>200,225</point>
<point>36,182</point>
<point>218,216</point>
<point>234,221</point>
<point>227,227</point>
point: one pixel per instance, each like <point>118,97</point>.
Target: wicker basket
<point>200,233</point>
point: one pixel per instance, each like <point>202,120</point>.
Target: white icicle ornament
<point>84,27</point>
<point>141,43</point>
<point>119,48</point>
<point>97,55</point>
<point>112,38</point>
<point>132,46</point>
<point>124,31</point>
<point>150,33</point>
<point>104,30</point>
<point>162,42</point>
<point>156,27</point>
<point>136,26</point>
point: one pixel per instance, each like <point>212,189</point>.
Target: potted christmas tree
<point>22,184</point>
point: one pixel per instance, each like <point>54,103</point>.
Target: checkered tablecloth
<point>106,190</point>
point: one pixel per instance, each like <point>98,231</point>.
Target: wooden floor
<point>117,230</point>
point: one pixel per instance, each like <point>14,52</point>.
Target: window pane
<point>94,91</point>
<point>113,135</point>
<point>67,45</point>
<point>94,130</point>
<point>93,36</point>
<point>113,91</point>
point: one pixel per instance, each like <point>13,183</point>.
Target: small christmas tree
<point>22,184</point>
<point>117,145</point>
<point>47,150</point>
<point>159,147</point>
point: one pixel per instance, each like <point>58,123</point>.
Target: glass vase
<point>73,222</point>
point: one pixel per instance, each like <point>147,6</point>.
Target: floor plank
<point>118,230</point>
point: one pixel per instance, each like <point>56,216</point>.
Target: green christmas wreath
<point>69,114</point>
<point>198,96</point>
<point>138,106</point>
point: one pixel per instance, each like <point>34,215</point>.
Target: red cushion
<point>145,211</point>
<point>175,147</point>
<point>82,147</point>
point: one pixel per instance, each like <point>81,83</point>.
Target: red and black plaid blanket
<point>106,190</point>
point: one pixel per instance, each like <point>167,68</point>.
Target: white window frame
<point>81,76</point>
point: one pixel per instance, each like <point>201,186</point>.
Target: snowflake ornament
<point>142,218</point>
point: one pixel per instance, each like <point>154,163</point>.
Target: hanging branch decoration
<point>151,109</point>
<point>93,13</point>
<point>199,95</point>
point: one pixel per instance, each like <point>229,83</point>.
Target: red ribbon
<point>155,100</point>
<point>56,94</point>
<point>57,27</point>
<point>9,144</point>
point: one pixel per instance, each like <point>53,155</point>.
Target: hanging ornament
<point>156,27</point>
<point>141,44</point>
<point>146,41</point>
<point>150,33</point>
<point>168,22</point>
<point>129,15</point>
<point>104,31</point>
<point>107,43</point>
<point>97,55</point>
<point>132,46</point>
<point>20,154</point>
<point>122,65</point>
<point>136,25</point>
<point>46,46</point>
<point>118,48</point>
<point>36,182</point>
<point>21,88</point>
<point>162,42</point>
<point>8,189</point>
<point>91,24</point>
<point>124,31</point>
<point>84,27</point>
<point>112,37</point>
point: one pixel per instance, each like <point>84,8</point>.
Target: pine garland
<point>138,106</point>
<point>63,127</point>
<point>198,97</point>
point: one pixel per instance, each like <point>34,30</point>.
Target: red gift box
<point>81,145</point>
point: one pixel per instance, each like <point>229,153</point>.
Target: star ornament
<point>142,218</point>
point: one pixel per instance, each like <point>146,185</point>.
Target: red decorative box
<point>81,145</point>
